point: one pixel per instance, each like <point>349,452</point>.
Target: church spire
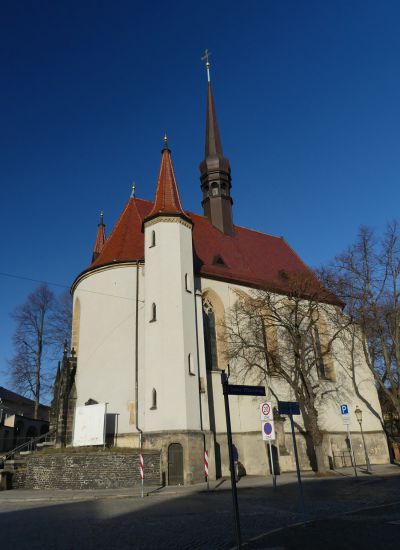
<point>215,170</point>
<point>100,238</point>
<point>167,201</point>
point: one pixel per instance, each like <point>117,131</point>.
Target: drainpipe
<point>137,357</point>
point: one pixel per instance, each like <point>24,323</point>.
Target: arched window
<point>190,365</point>
<point>188,282</point>
<point>214,189</point>
<point>210,336</point>
<point>153,399</point>
<point>76,320</point>
<point>319,357</point>
<point>153,313</point>
<point>153,239</point>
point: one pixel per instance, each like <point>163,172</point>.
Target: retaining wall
<point>95,470</point>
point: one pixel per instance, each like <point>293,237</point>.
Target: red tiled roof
<point>167,194</point>
<point>249,257</point>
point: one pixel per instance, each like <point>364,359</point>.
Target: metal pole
<point>365,451</point>
<point>353,458</point>
<point>296,456</point>
<point>272,464</point>
<point>224,382</point>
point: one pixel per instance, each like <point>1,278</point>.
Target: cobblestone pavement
<point>189,517</point>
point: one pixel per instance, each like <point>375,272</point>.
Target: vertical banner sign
<point>141,471</point>
<point>206,468</point>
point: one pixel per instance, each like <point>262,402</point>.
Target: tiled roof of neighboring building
<point>8,395</point>
<point>249,257</point>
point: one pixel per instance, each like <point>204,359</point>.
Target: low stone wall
<point>93,470</point>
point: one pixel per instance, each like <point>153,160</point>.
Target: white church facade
<point>147,339</point>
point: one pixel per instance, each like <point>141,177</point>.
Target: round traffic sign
<point>265,409</point>
<point>268,428</point>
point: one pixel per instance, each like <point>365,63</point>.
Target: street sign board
<point>266,411</point>
<point>268,430</point>
<point>288,407</point>
<point>344,409</point>
<point>231,389</point>
<point>346,419</point>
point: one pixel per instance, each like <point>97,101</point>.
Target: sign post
<point>268,433</point>
<point>344,409</point>
<point>229,389</point>
<point>291,408</point>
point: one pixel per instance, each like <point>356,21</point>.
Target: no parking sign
<point>268,430</point>
<point>266,411</point>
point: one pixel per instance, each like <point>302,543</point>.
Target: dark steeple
<point>100,238</point>
<point>215,173</point>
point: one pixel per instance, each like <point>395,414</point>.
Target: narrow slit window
<point>153,316</point>
<point>190,365</point>
<point>153,239</point>
<point>153,399</point>
<point>188,283</point>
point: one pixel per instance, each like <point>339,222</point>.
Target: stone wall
<point>94,470</point>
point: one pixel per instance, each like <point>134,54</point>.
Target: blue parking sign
<point>344,409</point>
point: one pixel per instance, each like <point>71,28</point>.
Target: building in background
<point>17,424</point>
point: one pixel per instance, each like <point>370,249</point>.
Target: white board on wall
<point>89,425</point>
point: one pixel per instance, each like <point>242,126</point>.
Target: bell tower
<point>215,170</point>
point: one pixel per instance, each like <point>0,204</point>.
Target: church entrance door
<point>175,464</point>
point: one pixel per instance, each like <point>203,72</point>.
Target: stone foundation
<point>254,453</point>
<point>193,452</point>
<point>93,470</point>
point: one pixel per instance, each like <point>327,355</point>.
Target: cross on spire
<point>205,58</point>
<point>133,190</point>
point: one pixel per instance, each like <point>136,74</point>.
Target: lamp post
<point>358,413</point>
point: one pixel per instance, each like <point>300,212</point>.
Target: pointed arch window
<point>210,336</point>
<point>319,357</point>
<point>153,399</point>
<point>153,313</point>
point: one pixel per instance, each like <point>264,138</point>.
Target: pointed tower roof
<point>213,145</point>
<point>215,170</point>
<point>100,238</point>
<point>167,201</point>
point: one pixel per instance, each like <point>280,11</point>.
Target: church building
<point>146,332</point>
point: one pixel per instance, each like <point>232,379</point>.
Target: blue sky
<point>307,95</point>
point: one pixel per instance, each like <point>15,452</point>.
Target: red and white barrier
<point>206,464</point>
<point>141,467</point>
<point>141,471</point>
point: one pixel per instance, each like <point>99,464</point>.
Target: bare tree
<point>288,336</point>
<point>367,277</point>
<point>31,340</point>
<point>60,322</point>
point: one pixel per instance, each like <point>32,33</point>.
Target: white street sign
<point>266,411</point>
<point>268,430</point>
<point>346,419</point>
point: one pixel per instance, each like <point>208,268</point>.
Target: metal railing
<point>28,445</point>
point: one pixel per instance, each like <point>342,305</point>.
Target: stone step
<point>45,444</point>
